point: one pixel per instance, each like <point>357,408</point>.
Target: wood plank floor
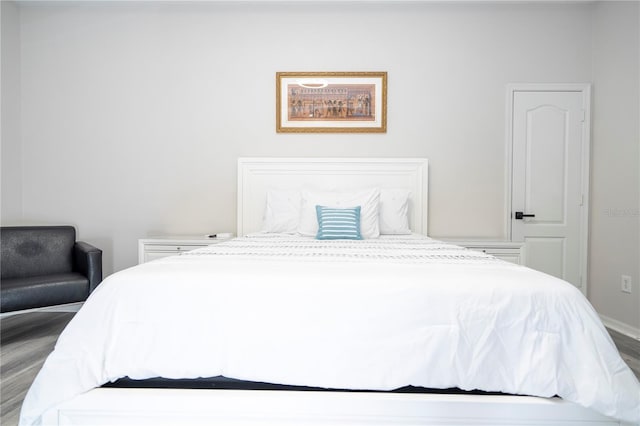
<point>25,342</point>
<point>27,339</point>
<point>629,350</point>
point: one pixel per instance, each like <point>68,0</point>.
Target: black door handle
<point>520,215</point>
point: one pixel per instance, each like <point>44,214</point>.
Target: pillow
<point>368,201</point>
<point>394,211</point>
<point>338,224</point>
<point>282,212</point>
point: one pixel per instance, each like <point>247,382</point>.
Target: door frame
<point>585,89</point>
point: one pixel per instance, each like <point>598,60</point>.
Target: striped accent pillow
<point>338,224</point>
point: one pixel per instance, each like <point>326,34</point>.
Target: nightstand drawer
<point>157,248</point>
<point>172,248</point>
<point>510,255</point>
<point>153,255</point>
<point>506,250</point>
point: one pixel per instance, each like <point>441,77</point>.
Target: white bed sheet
<point>373,314</point>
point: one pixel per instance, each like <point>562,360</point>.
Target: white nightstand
<point>158,247</point>
<point>506,250</point>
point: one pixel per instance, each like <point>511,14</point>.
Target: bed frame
<point>186,407</point>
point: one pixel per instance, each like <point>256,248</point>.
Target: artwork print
<point>331,102</point>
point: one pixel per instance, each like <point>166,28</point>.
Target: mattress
<point>378,314</point>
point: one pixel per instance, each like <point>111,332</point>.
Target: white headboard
<point>257,175</point>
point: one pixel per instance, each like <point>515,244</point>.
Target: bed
<point>351,320</point>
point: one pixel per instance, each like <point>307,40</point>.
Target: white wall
<point>134,113</point>
<point>11,176</point>
<point>126,119</point>
<point>615,179</point>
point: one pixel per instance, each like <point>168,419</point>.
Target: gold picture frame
<point>331,102</point>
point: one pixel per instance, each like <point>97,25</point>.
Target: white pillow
<point>394,211</point>
<point>282,212</point>
<point>368,201</point>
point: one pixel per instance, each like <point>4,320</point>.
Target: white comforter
<point>373,314</point>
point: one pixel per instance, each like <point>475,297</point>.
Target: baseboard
<point>68,307</point>
<point>621,327</point>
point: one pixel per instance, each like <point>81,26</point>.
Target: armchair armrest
<point>88,261</point>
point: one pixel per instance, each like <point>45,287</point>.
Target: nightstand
<point>510,251</point>
<point>158,247</point>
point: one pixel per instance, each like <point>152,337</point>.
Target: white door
<point>548,204</point>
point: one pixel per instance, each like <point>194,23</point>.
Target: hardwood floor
<point>25,342</point>
<point>629,350</point>
<point>27,339</point>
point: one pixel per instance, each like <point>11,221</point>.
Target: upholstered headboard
<point>257,175</point>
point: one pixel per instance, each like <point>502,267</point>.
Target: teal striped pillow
<point>338,224</point>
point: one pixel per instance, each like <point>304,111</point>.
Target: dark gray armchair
<point>45,266</point>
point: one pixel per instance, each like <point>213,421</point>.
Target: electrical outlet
<point>625,284</point>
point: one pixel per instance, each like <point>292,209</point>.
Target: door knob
<point>520,215</point>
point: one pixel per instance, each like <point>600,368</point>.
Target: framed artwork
<point>331,102</point>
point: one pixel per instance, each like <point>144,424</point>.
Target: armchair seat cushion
<point>43,290</point>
